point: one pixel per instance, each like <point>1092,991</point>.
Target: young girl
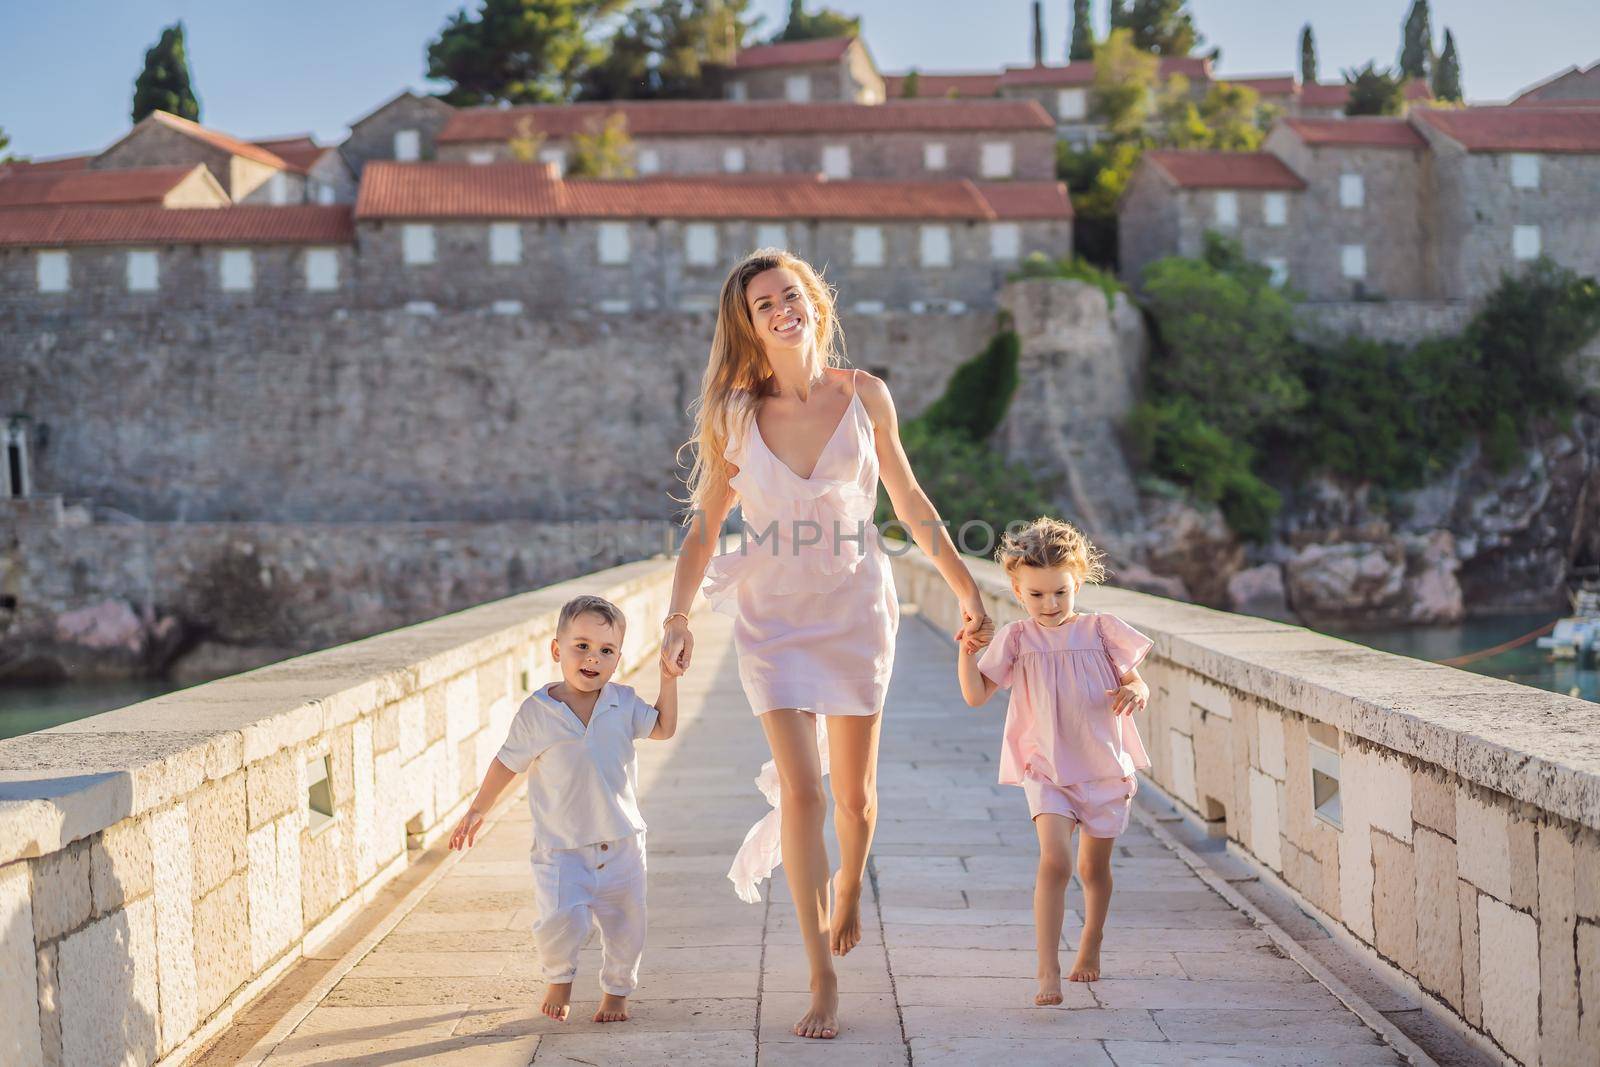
<point>1070,741</point>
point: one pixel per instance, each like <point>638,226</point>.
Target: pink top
<point>1059,725</point>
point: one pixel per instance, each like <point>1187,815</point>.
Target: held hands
<point>677,648</point>
<point>977,628</point>
<point>465,835</point>
<point>1130,698</point>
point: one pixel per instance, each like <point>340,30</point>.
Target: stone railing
<point>1448,823</point>
<point>161,864</point>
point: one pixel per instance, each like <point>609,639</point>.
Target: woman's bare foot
<point>1049,987</point>
<point>823,1018</point>
<point>557,1000</point>
<point>846,913</point>
<point>613,1009</point>
<point>1086,968</point>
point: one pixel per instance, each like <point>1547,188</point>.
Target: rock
<point>103,627</point>
<point>1142,579</point>
<point>1432,593</point>
<point>1357,580</point>
<point>1192,544</point>
<point>213,659</point>
<point>1259,591</point>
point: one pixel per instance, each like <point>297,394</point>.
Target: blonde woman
<point>800,442</point>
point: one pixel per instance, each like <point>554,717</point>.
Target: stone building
<point>1573,87</point>
<point>943,139</point>
<point>834,68</point>
<point>168,187</point>
<point>404,128</point>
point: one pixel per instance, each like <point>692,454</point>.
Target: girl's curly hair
<point>1050,543</point>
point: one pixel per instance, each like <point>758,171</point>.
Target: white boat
<point>1578,635</point>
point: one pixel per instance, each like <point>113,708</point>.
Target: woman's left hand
<point>1130,698</point>
<point>976,627</point>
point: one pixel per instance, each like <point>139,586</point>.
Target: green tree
<point>825,23</point>
<point>524,145</point>
<point>911,88</point>
<point>1308,56</point>
<point>1231,116</point>
<point>518,51</point>
<point>1119,14</point>
<point>1082,44</point>
<point>5,145</point>
<point>1374,92</point>
<point>603,151</point>
<point>1124,83</point>
<point>163,84</point>
<point>1162,27</point>
<point>1447,72</point>
<point>1416,43</point>
<point>662,51</point>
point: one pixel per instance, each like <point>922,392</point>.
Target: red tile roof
<point>1357,132</point>
<point>1534,101</point>
<point>1518,129</point>
<point>59,163</point>
<point>700,118</point>
<point>1082,73</point>
<point>217,139</point>
<point>1225,170</point>
<point>1265,84</point>
<point>299,152</point>
<point>514,190</point>
<point>1335,94</point>
<point>139,185</point>
<point>76,225</point>
<point>932,85</point>
<point>793,53</point>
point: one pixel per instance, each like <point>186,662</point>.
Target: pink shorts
<point>1101,807</point>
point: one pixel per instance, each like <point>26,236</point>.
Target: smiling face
<point>1048,594</point>
<point>781,313</point>
<point>587,652</point>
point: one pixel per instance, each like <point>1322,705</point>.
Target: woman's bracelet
<point>674,615</point>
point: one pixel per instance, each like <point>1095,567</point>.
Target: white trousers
<point>576,889</point>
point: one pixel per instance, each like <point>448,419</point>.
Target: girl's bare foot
<point>1049,987</point>
<point>1086,968</point>
<point>557,1001</point>
<point>823,1019</point>
<point>846,914</point>
<point>613,1009</point>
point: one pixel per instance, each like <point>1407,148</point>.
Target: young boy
<point>575,737</point>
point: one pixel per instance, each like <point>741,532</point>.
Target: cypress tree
<point>1082,46</point>
<point>911,88</point>
<point>1447,72</point>
<point>1416,45</point>
<point>163,84</point>
<point>1308,56</point>
<point>1038,33</point>
<point>1119,14</point>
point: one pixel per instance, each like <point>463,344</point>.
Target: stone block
<point>1508,953</point>
<point>1471,995</point>
<point>386,728</point>
<point>1214,771</point>
<point>119,865</point>
<point>1433,801</point>
<point>63,898</point>
<point>1269,743</point>
<point>273,880</point>
<point>109,1010</point>
<point>217,830</point>
<point>1210,697</point>
<point>1586,861</point>
<point>341,766</point>
<point>174,900</point>
<point>272,787</point>
<point>433,705</point>
<point>364,811</point>
<point>327,870</point>
<point>494,683</point>
<point>49,979</point>
<point>1394,901</point>
<point>20,1039</point>
<point>1524,857</point>
<point>1264,832</point>
<point>1438,916</point>
<point>222,937</point>
<point>1558,962</point>
<point>1355,853</point>
<point>396,805</point>
<point>413,722</point>
<point>1297,817</point>
<point>1386,782</point>
<point>1181,747</point>
<point>1483,837</point>
<point>1589,985</point>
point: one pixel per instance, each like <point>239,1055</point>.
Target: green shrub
<point>1173,437</point>
<point>979,391</point>
<point>967,480</point>
<point>1072,268</point>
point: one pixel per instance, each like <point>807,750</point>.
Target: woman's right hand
<point>677,647</point>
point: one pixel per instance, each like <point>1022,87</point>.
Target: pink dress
<point>1059,724</point>
<point>811,594</point>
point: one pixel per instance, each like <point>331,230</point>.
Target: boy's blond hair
<point>586,604</point>
<point>1051,543</point>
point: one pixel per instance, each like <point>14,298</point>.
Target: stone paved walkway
<point>941,977</point>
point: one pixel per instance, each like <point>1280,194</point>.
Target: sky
<point>294,66</point>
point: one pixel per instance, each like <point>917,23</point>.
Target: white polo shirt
<point>581,780</point>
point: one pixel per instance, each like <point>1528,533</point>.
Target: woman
<point>799,441</point>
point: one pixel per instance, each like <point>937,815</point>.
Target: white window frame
<point>1005,242</point>
<point>419,245</point>
<point>278,188</point>
<point>935,246</point>
<point>649,161</point>
<point>143,270</point>
<point>236,270</point>
<point>1225,209</point>
<point>327,194</point>
<point>935,156</point>
<point>998,159</point>
<point>322,270</point>
<point>867,246</point>
<point>407,145</point>
<point>505,243</point>
<point>797,88</point>
<point>480,156</point>
<point>1279,268</point>
<point>772,235</point>
<point>1525,243</point>
<point>700,244</point>
<point>1275,209</point>
<point>737,91</point>
<point>733,160</point>
<point>612,243</point>
<point>1524,170</point>
<point>53,270</point>
<point>836,160</point>
<point>1072,104</point>
<point>1352,191</point>
<point>1353,261</point>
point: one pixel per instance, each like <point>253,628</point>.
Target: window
<point>558,156</point>
<point>737,91</point>
<point>1524,171</point>
<point>1005,241</point>
<point>1071,104</point>
<point>319,794</point>
<point>480,156</point>
<point>797,88</point>
<point>144,272</point>
<point>1353,261</point>
<point>278,188</point>
<point>996,160</point>
<point>934,156</point>
<point>326,194</point>
<point>407,145</point>
<point>505,242</point>
<point>1525,242</point>
<point>613,238</point>
<point>1226,207</point>
<point>238,270</point>
<point>1352,190</point>
<point>322,269</point>
<point>1325,803</point>
<point>506,307</point>
<point>1279,268</point>
<point>649,161</point>
<point>935,246</point>
<point>867,246</point>
<point>869,307</point>
<point>1275,209</point>
<point>771,236</point>
<point>836,160</point>
<point>700,244</point>
<point>733,160</point>
<point>54,272</point>
<point>416,243</point>
<point>615,307</point>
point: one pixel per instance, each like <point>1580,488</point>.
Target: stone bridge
<point>1341,856</point>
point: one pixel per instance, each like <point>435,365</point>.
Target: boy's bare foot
<point>1086,968</point>
<point>613,1009</point>
<point>846,914</point>
<point>823,1019</point>
<point>557,1000</point>
<point>1049,987</point>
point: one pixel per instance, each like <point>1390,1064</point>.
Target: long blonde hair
<point>737,373</point>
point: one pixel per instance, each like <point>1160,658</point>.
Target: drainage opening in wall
<point>1325,784</point>
<point>414,832</point>
<point>319,795</point>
